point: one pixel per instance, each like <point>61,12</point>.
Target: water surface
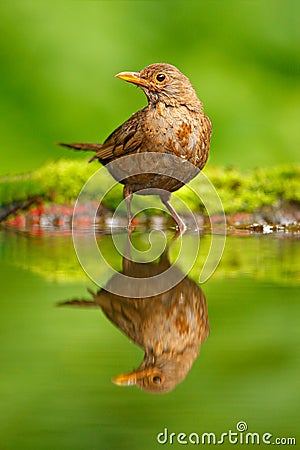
<point>57,363</point>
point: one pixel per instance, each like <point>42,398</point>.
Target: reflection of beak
<point>132,77</point>
<point>129,379</point>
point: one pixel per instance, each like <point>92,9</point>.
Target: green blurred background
<point>58,61</point>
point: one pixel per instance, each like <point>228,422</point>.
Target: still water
<point>63,341</point>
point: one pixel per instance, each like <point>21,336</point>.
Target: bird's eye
<point>156,380</point>
<point>160,77</point>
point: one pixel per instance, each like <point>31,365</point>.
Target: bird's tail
<point>86,146</point>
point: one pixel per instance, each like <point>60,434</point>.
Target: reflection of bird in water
<point>170,326</point>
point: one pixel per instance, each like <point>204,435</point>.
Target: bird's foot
<point>180,229</point>
<point>130,227</point>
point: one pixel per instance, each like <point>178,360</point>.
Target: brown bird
<point>173,123</point>
<point>170,326</point>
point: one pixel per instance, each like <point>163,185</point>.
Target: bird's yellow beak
<point>130,379</point>
<point>132,77</point>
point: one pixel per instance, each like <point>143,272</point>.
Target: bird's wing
<point>123,312</point>
<point>126,139</point>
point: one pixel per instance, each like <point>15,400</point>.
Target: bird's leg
<point>127,257</point>
<point>128,197</point>
<point>165,198</point>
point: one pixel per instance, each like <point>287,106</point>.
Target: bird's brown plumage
<point>170,327</point>
<point>172,123</point>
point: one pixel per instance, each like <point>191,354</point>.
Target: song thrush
<point>170,326</point>
<point>172,123</point>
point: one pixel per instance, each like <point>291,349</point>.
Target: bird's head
<point>164,83</point>
<point>160,375</point>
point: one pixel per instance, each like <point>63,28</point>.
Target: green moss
<point>247,191</point>
<point>62,181</point>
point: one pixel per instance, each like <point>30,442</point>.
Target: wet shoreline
<point>284,219</point>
